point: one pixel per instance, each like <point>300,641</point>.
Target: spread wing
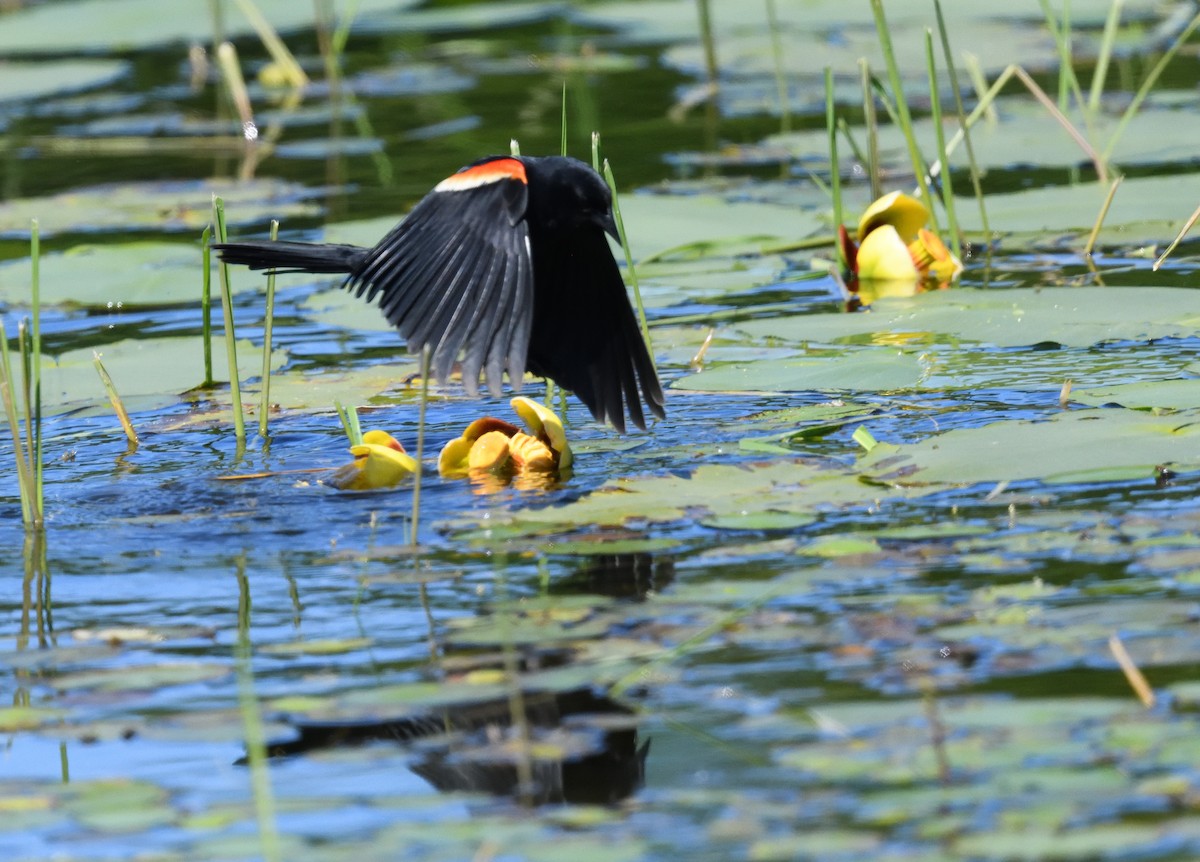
<point>586,336</point>
<point>455,276</point>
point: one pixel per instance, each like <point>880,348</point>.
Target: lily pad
<point>114,276</point>
<point>145,372</point>
<point>20,81</point>
<point>168,206</point>
<point>89,26</point>
<point>1079,446</point>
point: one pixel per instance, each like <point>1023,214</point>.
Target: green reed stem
<point>114,399</point>
<point>35,257</point>
<point>1108,199</point>
<point>902,112</point>
<point>1107,41</point>
<point>1149,83</point>
<point>562,146</point>
<point>1067,82</point>
<point>24,479</point>
<point>264,407</point>
<point>349,417</point>
<point>935,110</point>
<point>835,170</point>
<point>252,725</point>
<point>337,42</point>
<point>633,278</point>
<point>1178,238</point>
<point>596,152</point>
<point>976,183</point>
<point>514,148</point>
<point>275,47</point>
<point>781,87</point>
<point>235,386</point>
<point>416,496</point>
<point>871,119</point>
<point>24,342</point>
<point>206,303</point>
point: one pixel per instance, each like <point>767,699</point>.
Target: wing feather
<point>585,334</point>
<point>456,268</point>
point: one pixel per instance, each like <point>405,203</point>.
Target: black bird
<point>506,265</point>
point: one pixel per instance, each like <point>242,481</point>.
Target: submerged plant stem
<point>252,726</point>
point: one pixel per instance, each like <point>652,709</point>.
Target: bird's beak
<point>610,226</point>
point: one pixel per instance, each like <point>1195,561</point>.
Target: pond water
<point>744,633</point>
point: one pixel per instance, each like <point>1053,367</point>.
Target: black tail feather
<point>293,256</point>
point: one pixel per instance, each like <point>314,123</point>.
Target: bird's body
<point>504,266</point>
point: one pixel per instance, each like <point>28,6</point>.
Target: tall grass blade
<point>835,170</point>
<point>1108,199</point>
<point>279,52</point>
<point>1148,84</point>
<point>341,34</point>
<point>349,417</point>
<point>902,112</point>
<point>562,146</point>
<point>206,303</point>
<point>231,72</point>
<point>252,726</point>
<point>514,148</point>
<point>1178,238</point>
<point>420,456</point>
<point>25,344</point>
<point>871,120</point>
<point>35,290</point>
<point>781,86</point>
<point>1060,32</point>
<point>264,407</point>
<point>235,386</point>
<point>115,400</point>
<point>1107,40</point>
<point>935,110</point>
<point>24,477</point>
<point>596,152</point>
<point>633,279</point>
<point>976,183</point>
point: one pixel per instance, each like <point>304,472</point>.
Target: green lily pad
<point>38,80</point>
<point>145,372</point>
<point>861,370</point>
<point>690,226</point>
<point>1068,316</point>
<point>141,677</point>
<point>1079,446</point>
<point>167,206</point>
<point>114,276</point>
<point>90,26</point>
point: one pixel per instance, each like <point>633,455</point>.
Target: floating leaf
<point>167,206</point>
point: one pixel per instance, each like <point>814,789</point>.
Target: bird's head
<point>566,193</point>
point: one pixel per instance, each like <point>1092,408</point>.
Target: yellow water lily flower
<point>896,250</point>
<point>379,462</point>
<point>491,448</point>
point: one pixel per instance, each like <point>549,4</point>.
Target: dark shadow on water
<point>463,748</point>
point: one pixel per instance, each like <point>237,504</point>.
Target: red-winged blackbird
<point>506,265</point>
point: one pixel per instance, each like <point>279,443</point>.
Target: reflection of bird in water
<point>504,265</point>
<point>602,764</point>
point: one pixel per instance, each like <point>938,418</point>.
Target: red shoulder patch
<point>481,175</point>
